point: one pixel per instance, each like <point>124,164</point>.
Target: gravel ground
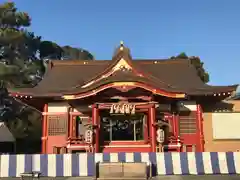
<point>202,177</point>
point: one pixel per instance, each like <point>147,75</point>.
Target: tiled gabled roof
<point>74,77</point>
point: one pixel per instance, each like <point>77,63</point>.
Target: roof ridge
<point>97,62</point>
<point>76,62</point>
<point>163,59</point>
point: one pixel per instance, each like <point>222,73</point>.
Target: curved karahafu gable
<point>173,78</point>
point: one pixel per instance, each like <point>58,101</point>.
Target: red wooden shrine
<point>122,105</point>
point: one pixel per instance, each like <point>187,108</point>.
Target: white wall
<point>226,125</point>
<point>58,107</point>
<point>188,106</point>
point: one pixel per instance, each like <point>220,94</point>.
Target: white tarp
<point>5,134</point>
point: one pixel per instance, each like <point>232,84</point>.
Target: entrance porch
<point>123,127</point>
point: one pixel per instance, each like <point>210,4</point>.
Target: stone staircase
<point>122,171</point>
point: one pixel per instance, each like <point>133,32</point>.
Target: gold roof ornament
<point>121,45</point>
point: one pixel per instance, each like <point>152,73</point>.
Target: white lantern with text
<point>160,135</point>
<point>88,136</point>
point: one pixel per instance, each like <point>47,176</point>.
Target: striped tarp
<point>67,165</point>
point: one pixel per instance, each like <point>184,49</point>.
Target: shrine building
<point>122,105</point>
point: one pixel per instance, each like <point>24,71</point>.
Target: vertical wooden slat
<point>187,123</point>
<point>74,132</point>
<point>55,150</point>
<point>200,127</point>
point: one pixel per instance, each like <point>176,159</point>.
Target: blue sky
<point>151,29</point>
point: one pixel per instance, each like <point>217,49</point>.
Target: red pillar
<point>200,128</point>
<point>95,121</point>
<point>176,124</point>
<point>44,129</point>
<point>70,123</point>
<point>177,133</point>
<point>146,137</point>
<point>173,124</point>
<point>152,120</point>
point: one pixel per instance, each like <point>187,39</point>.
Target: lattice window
<point>187,123</point>
<point>57,125</point>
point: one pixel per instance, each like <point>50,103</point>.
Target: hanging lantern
<point>160,135</point>
<point>88,136</point>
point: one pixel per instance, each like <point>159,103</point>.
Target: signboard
<point>88,136</point>
<point>123,108</point>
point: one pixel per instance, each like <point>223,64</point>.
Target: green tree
<point>23,54</point>
<point>76,53</point>
<point>198,64</point>
<point>20,65</point>
<point>23,58</point>
<point>50,50</point>
<point>182,55</point>
<point>18,47</point>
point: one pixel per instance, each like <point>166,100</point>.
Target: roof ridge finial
<point>121,46</point>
